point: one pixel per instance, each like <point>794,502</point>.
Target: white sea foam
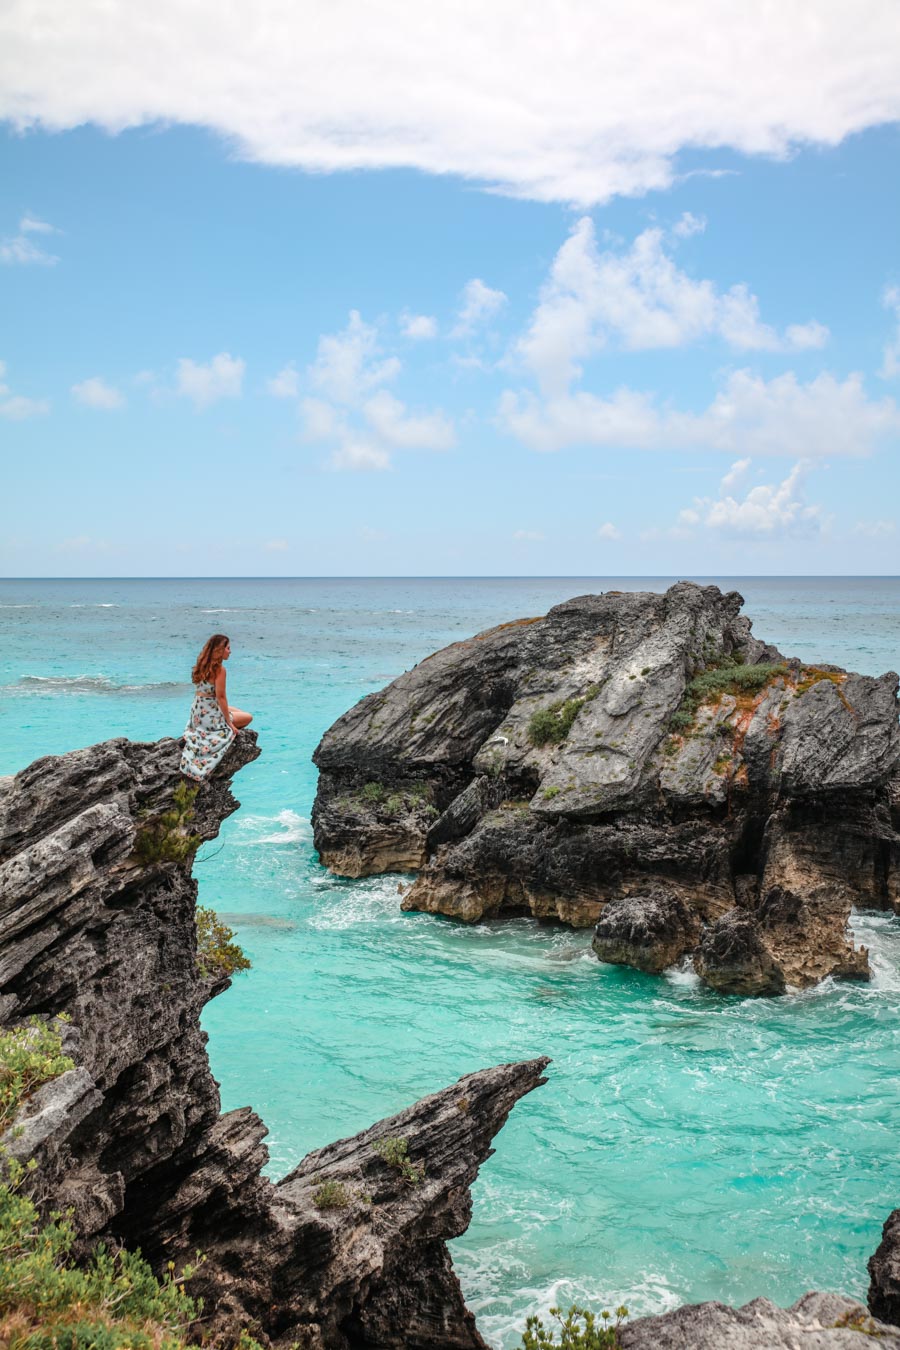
<point>219,611</point>
<point>88,684</point>
<point>295,829</point>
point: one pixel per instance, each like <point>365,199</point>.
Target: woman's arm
<point>222,700</point>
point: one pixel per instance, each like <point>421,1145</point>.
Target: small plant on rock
<point>217,953</point>
<point>551,725</point>
<point>167,838</point>
<point>578,1330</point>
<point>550,792</point>
<point>373,793</point>
<point>331,1195</point>
<point>394,1151</point>
<point>30,1056</point>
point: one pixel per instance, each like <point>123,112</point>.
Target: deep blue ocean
<point>686,1146</point>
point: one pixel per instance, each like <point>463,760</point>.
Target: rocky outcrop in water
<point>884,1272</point>
<point>97,921</point>
<point>622,746</point>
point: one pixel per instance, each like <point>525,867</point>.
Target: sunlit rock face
<point>629,744</point>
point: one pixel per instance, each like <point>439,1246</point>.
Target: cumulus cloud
<point>222,377</point>
<point>348,364</point>
<point>16,407</point>
<point>23,248</point>
<point>96,393</point>
<point>478,304</point>
<point>388,417</point>
<point>609,531</point>
<point>418,326</point>
<point>638,298</point>
<point>577,102</point>
<point>890,366</point>
<point>766,511</point>
<point>358,418</point>
<point>749,416</point>
<point>286,384</point>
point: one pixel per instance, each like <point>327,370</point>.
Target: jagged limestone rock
<point>620,743</point>
<point>97,921</point>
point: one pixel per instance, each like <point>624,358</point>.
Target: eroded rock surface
<point>814,1322</point>
<point>651,931</point>
<point>625,743</point>
<point>884,1272</point>
<point>97,925</point>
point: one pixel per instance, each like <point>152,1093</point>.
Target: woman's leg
<point>239,718</point>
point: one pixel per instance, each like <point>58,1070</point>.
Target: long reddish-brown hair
<point>209,660</point>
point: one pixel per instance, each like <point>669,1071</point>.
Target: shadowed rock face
<point>650,932</point>
<point>555,765</point>
<point>884,1270</point>
<point>132,1139</point>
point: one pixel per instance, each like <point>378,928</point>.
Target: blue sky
<point>483,355</point>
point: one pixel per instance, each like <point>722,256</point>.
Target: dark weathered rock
<point>884,1272</point>
<point>733,958</point>
<point>814,1322</point>
<point>788,786</point>
<point>132,1141</point>
<point>650,931</point>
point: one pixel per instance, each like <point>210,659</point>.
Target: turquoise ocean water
<point>686,1147</point>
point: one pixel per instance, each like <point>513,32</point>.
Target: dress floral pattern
<point>206,736</point>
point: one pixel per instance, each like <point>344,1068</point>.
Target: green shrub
<point>167,839</point>
<point>29,1056</point>
<point>551,792</point>
<point>551,725</point>
<point>373,792</point>
<point>578,1330</point>
<point>709,686</point>
<point>217,952</point>
<point>331,1195</point>
<point>393,1151</point>
<point>111,1300</point>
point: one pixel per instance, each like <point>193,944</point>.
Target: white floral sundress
<point>206,736</point>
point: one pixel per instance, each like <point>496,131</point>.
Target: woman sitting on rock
<point>212,725</point>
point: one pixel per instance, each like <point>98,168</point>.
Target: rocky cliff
<point>638,762</point>
<point>97,921</point>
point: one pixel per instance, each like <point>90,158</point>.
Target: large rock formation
<point>97,910</point>
<point>622,744</point>
<point>814,1322</point>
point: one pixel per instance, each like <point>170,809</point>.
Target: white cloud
<point>15,407</point>
<point>222,377</point>
<point>875,529</point>
<point>890,366</point>
<point>750,416</point>
<point>21,248</point>
<point>528,536</point>
<point>766,511</point>
<point>575,102</point>
<point>96,393</point>
<point>689,224</point>
<point>349,363</point>
<point>418,326</point>
<point>364,421</point>
<point>478,304</point>
<point>609,531</point>
<point>286,384</point>
<point>82,543</point>
<point>388,418</point>
<point>358,454</point>
<point>640,299</point>
<point>276,545</point>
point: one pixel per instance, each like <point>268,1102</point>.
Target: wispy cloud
<point>96,393</point>
<point>890,366</point>
<point>418,327</point>
<point>286,384</point>
<point>16,407</point>
<point>478,304</point>
<point>22,248</point>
